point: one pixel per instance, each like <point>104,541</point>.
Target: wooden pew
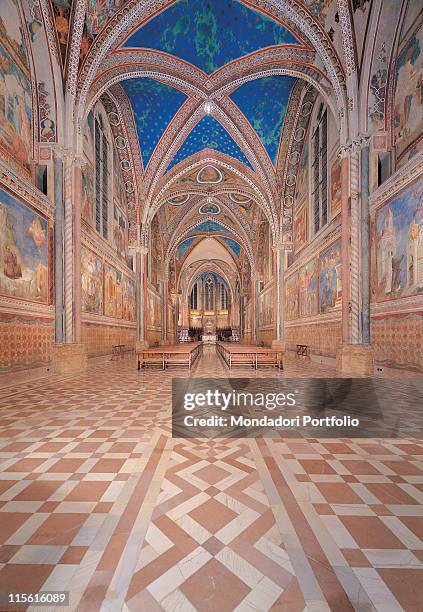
<point>253,356</point>
<point>166,355</point>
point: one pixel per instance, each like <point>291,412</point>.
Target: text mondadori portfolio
<point>240,420</point>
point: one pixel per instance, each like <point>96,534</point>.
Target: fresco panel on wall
<point>24,238</point>
<point>330,286</point>
<point>308,292</point>
<point>92,282</point>
<point>399,245</point>
<point>15,102</point>
<point>408,98</point>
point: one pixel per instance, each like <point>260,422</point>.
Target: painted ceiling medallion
<point>179,199</point>
<point>209,175</point>
<point>239,198</point>
<point>209,209</point>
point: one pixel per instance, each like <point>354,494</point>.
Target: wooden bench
<point>118,352</point>
<point>180,355</point>
<point>129,350</point>
<point>252,356</point>
<point>302,350</point>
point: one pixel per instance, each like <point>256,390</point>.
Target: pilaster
<point>355,356</point>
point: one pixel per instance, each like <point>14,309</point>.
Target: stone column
<point>58,248</point>
<point>365,243</point>
<point>355,356</point>
<point>69,354</point>
<point>279,341</point>
<point>164,296</point>
<point>256,306</point>
<point>141,262</point>
<point>77,297</point>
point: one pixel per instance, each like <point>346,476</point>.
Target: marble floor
<point>96,498</point>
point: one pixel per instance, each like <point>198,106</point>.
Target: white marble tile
<point>239,566</point>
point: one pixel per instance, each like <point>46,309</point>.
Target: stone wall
<point>99,339</point>
<point>322,338</point>
<point>25,341</point>
<point>397,340</point>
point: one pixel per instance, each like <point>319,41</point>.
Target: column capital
<point>138,248</point>
<point>68,155</point>
<point>279,246</point>
<point>354,145</point>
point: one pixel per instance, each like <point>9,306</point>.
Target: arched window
<point>193,302</point>
<point>102,160</point>
<point>319,170</point>
<point>224,300</point>
<point>209,291</point>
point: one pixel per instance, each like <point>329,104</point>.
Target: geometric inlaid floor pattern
<point>96,498</point>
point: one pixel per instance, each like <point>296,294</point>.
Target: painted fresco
<point>408,98</point>
<point>245,205</point>
<point>209,174</point>
<point>11,35</point>
<point>154,105</point>
<point>128,297</point>
<point>330,286</point>
<point>178,200</point>
<point>113,292</point>
<point>209,134</point>
<point>98,12</point>
<point>209,209</point>
<point>264,102</point>
<point>361,13</point>
<point>307,289</point>
<point>154,311</point>
<point>213,29</point>
<point>234,246</point>
<point>263,251</point>
<point>300,228</point>
<point>120,239</point>
<point>62,11</point>
<point>335,187</point>
<point>184,246</point>
<point>92,282</point>
<point>399,246</point>
<point>291,298</point>
<point>377,87</point>
<point>266,308</point>
<point>88,193</point>
<point>15,110</point>
<point>156,253</point>
<point>23,251</point>
<point>117,177</point>
<point>302,175</point>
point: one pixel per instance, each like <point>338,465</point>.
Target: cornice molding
<point>25,307</point>
<point>397,182</point>
<point>21,188</point>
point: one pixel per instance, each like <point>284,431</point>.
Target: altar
<point>209,338</point>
